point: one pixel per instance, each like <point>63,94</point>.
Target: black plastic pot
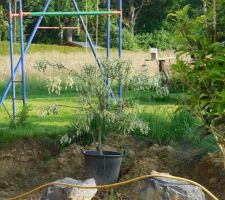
<point>103,168</point>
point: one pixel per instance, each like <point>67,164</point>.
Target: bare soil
<point>28,163</point>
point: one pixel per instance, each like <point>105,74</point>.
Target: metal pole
<point>108,47</point>
<point>12,58</point>
<point>25,50</point>
<point>22,52</point>
<point>92,45</point>
<point>120,21</point>
<point>108,29</point>
<point>15,10</point>
<point>58,27</point>
<point>36,14</point>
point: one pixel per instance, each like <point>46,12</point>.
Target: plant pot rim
<point>108,154</point>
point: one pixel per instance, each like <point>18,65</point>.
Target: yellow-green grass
<point>70,57</point>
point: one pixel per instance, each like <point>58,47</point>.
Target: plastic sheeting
<point>170,189</point>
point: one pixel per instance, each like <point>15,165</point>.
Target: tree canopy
<point>146,19</point>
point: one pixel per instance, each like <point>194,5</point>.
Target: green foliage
<point>22,117</point>
<point>94,106</point>
<point>167,127</point>
<point>161,39</point>
<point>145,82</point>
<point>94,86</point>
<point>80,131</point>
<point>205,77</point>
<point>3,23</point>
<point>129,40</point>
<point>150,17</point>
<point>127,123</point>
<point>220,20</point>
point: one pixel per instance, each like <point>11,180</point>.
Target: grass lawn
<point>165,124</point>
<point>55,125</point>
<point>39,99</point>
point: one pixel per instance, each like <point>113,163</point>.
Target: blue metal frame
<point>25,51</point>
<point>108,30</point>
<point>22,52</point>
<point>12,58</point>
<point>21,62</point>
<point>92,46</point>
<point>120,24</point>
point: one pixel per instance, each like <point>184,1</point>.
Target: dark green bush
<point>129,40</point>
<point>161,39</point>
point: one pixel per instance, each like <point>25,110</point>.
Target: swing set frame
<point>24,48</point>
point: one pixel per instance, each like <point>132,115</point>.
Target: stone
<point>68,193</point>
<point>170,189</point>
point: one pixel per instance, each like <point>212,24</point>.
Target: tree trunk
<point>134,9</point>
<point>131,15</point>
<point>99,147</point>
<point>164,73</point>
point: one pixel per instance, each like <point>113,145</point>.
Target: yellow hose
<point>114,185</point>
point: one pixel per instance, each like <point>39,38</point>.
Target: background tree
<point>205,76</point>
<point>3,22</point>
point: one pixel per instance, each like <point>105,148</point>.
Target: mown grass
<point>55,125</point>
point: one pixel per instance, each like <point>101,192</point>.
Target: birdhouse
<point>154,53</point>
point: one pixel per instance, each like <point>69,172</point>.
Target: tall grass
<point>168,126</point>
<point>177,128</point>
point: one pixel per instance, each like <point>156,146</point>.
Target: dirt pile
<point>19,162</point>
<point>30,163</point>
<point>210,172</point>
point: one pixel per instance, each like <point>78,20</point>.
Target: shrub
<point>145,82</point>
<point>204,77</point>
<point>22,117</point>
<point>161,39</point>
<point>129,40</point>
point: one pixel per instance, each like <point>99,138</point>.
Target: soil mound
<point>26,164</point>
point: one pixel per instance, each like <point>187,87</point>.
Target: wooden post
<point>163,71</point>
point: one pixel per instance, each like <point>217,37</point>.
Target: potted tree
<point>104,166</point>
<point>100,112</point>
